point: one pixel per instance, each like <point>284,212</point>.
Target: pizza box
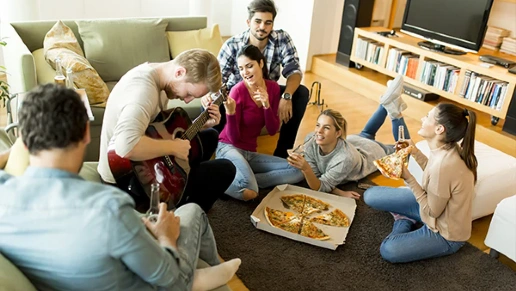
<point>84,98</point>
<point>272,200</point>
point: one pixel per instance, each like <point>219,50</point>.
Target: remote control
<point>497,61</point>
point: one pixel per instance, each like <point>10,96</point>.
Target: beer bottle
<point>59,77</point>
<point>401,143</point>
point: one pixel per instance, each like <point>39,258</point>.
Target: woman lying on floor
<point>443,202</point>
<point>252,104</point>
<point>330,158</point>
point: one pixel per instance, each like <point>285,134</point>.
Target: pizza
<point>295,202</point>
<point>391,166</point>
<point>302,223</point>
<point>334,218</point>
<point>310,230</point>
<point>287,221</point>
<point>314,205</point>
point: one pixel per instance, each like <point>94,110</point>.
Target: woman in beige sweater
<point>442,204</point>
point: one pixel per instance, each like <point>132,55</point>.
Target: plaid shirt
<point>279,52</point>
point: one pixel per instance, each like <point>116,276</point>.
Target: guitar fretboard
<point>199,122</point>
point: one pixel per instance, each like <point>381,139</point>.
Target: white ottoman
<point>496,177</point>
<point>501,236</point>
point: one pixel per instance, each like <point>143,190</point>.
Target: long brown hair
<point>457,127</point>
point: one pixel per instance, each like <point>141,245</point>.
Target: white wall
<point>503,14</point>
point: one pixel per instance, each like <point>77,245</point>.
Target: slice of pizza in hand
<point>334,218</point>
<point>391,166</point>
<point>312,231</point>
<point>287,221</point>
<point>314,205</point>
<point>295,202</point>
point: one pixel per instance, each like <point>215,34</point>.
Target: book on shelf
<point>508,45</point>
<point>494,36</point>
<point>484,90</point>
<point>369,50</point>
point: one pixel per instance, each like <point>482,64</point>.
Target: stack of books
<point>369,50</point>
<point>402,62</point>
<point>440,75</point>
<point>509,45</point>
<point>484,90</point>
<point>494,37</point>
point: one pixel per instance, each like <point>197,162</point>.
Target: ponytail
<point>467,152</point>
<point>458,127</point>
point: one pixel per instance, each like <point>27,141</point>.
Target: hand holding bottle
<point>166,229</point>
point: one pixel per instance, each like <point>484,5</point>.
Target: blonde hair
<point>339,121</point>
<point>201,67</point>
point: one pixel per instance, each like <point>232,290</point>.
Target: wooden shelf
<point>510,1</point>
<point>468,62</point>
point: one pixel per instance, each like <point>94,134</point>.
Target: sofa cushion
<point>206,38</point>
<point>18,159</point>
<point>114,46</point>
<point>11,278</point>
<point>60,42</point>
<point>44,71</point>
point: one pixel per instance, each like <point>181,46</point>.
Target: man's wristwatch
<point>286,96</point>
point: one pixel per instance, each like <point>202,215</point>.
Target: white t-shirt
<point>134,102</point>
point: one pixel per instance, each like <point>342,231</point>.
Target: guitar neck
<point>199,122</point>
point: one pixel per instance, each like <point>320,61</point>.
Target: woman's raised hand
<point>260,95</point>
<point>230,106</point>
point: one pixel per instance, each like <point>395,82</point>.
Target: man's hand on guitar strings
<point>206,100</point>
<point>181,148</point>
<point>214,113</point>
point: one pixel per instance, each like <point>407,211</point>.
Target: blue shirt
<point>65,233</point>
<point>279,52</point>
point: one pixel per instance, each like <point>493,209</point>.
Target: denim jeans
<point>376,121</point>
<point>255,170</point>
<point>404,243</point>
<point>196,241</point>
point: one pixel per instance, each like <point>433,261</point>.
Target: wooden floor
<point>357,105</point>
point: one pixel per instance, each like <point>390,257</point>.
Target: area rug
<point>271,262</point>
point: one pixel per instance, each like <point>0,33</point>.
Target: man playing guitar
<point>138,98</point>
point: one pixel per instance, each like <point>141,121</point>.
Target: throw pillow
<point>114,46</point>
<point>206,38</point>
<point>61,42</point>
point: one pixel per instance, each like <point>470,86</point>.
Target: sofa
<point>27,68</point>
<point>11,278</point>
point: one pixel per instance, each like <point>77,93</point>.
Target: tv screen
<point>460,23</point>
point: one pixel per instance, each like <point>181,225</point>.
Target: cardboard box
<point>337,234</point>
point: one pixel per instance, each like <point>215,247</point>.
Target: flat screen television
<point>458,24</point>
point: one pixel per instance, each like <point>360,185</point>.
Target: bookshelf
<point>460,78</point>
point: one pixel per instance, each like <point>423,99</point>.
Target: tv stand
<point>439,48</point>
<point>457,78</point>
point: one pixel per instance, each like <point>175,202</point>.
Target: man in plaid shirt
<point>279,51</point>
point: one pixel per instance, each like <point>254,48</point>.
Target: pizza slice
<point>310,230</point>
<point>287,221</point>
<point>334,218</point>
<point>391,166</point>
<point>314,205</point>
<point>295,202</point>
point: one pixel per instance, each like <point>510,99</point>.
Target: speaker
<point>357,13</point>
<point>510,120</point>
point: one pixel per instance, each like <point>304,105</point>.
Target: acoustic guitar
<point>169,171</point>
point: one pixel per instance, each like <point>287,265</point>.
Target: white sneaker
<point>394,90</point>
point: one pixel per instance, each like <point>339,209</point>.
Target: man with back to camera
<point>279,51</point>
<point>65,233</point>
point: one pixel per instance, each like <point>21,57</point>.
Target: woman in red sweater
<point>251,105</point>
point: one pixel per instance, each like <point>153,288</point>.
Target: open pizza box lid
<point>272,200</point>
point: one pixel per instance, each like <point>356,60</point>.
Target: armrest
<point>19,62</point>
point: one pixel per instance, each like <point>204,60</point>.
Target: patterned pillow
<point>61,42</point>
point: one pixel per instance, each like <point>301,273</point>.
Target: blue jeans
<point>404,244</point>
<point>196,241</point>
<point>376,121</point>
<point>255,170</point>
